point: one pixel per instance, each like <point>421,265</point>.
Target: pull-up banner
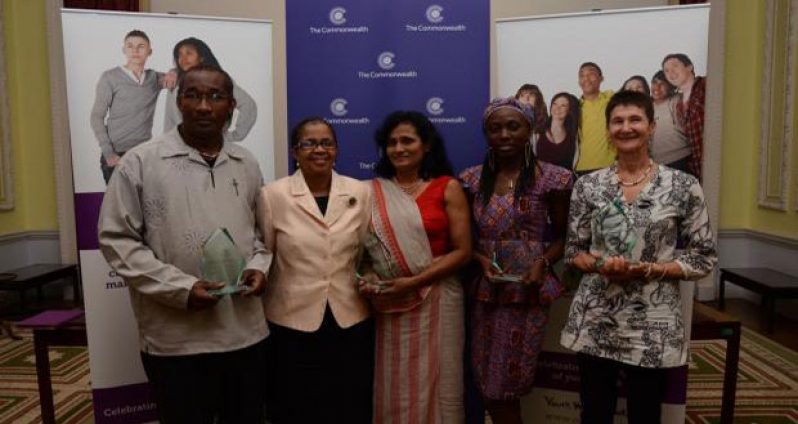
<point>354,61</point>
<point>94,47</point>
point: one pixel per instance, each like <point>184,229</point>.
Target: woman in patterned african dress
<point>520,207</point>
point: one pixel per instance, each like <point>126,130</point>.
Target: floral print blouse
<point>639,323</point>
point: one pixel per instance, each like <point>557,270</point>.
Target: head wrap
<point>508,103</point>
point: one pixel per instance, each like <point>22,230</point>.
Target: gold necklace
<point>635,182</point>
<point>411,188</point>
<point>511,182</point>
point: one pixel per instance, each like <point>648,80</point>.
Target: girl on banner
<point>636,83</point>
<point>530,95</point>
<point>558,139</point>
<point>622,231</point>
<point>189,53</point>
<point>520,206</point>
<point>419,236</point>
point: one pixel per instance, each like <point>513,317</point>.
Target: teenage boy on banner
<point>124,103</point>
<point>595,149</point>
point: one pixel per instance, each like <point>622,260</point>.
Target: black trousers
<point>598,391</point>
<point>321,377</point>
<point>208,388</point>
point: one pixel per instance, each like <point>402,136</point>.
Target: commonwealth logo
<point>338,15</point>
<point>385,60</point>
<point>338,107</point>
<point>435,106</point>
<point>435,14</point>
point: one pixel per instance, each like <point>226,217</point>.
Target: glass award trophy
<point>222,262</point>
<point>613,229</point>
<point>372,281</point>
<point>504,275</point>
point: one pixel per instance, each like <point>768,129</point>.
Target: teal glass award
<point>613,229</point>
<point>503,276</point>
<point>222,262</point>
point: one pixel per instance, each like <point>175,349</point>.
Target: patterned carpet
<point>767,390</point>
<point>767,383</point>
<point>19,394</point>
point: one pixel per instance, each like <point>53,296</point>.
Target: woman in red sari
<point>419,236</point>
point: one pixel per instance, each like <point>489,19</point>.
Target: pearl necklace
<point>639,180</point>
<point>409,189</point>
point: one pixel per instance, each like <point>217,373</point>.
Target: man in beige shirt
<point>202,353</point>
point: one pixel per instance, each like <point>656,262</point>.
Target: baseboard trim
<point>787,242</point>
<point>742,248</point>
<point>15,237</point>
<point>25,248</point>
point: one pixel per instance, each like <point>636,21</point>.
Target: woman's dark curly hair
<point>435,162</point>
<point>571,122</point>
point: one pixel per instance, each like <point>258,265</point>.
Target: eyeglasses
<point>195,97</point>
<point>325,144</point>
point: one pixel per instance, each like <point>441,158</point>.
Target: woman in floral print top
<point>622,231</point>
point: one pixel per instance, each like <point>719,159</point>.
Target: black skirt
<point>321,377</point>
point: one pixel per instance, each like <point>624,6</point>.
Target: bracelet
<point>684,273</point>
<point>544,259</point>
<point>648,270</point>
<point>664,271</point>
<point>598,263</point>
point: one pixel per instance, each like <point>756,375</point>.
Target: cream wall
<point>29,102</point>
<point>745,38</point>
<point>740,135</point>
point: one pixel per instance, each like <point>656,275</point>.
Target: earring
<point>528,154</point>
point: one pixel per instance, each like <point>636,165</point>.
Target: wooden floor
<point>749,313</point>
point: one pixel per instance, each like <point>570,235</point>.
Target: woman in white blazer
<point>320,352</point>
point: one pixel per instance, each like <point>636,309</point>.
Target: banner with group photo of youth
<point>115,66</point>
